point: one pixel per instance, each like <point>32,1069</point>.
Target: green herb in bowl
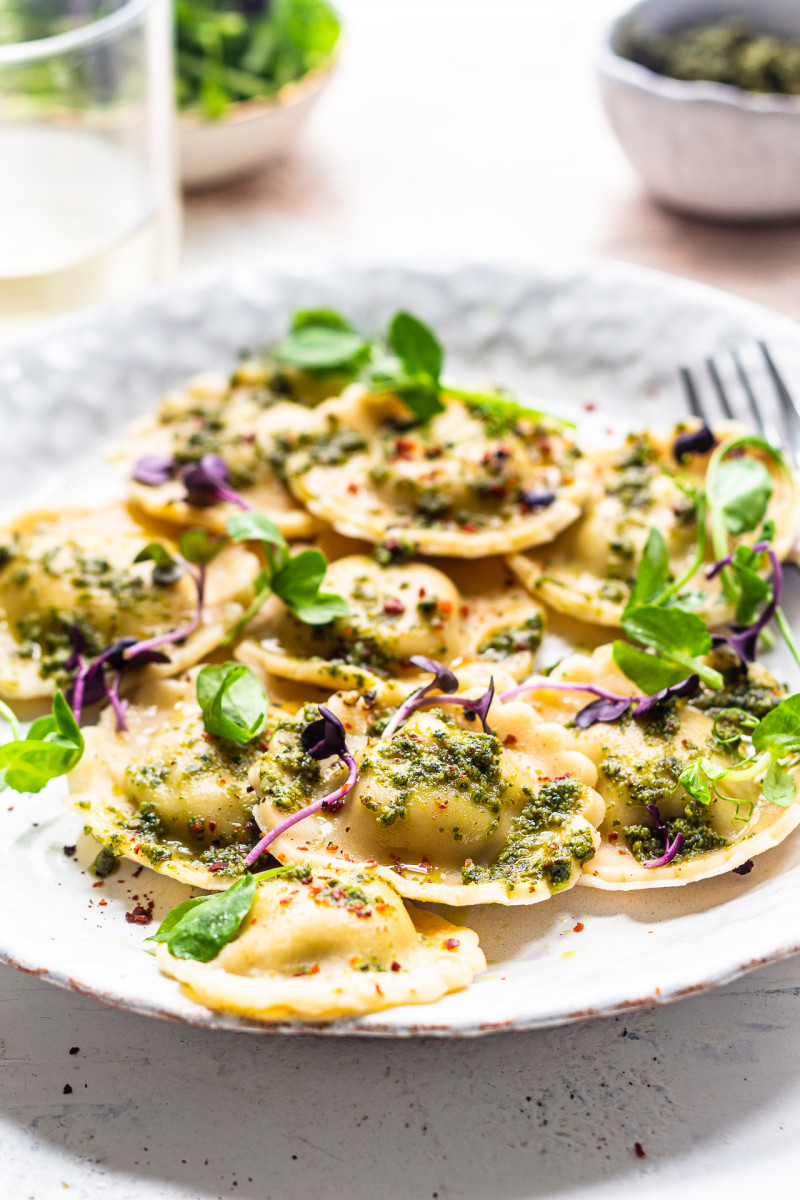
<point>234,50</point>
<point>729,51</point>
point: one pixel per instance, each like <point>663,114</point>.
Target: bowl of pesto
<point>704,98</point>
<point>248,73</point>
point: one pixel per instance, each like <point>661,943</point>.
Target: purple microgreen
<point>324,737</point>
<point>443,678</point>
<point>320,739</point>
<point>543,683</point>
<point>154,470</point>
<point>671,848</point>
<point>533,500</point>
<point>602,709</point>
<point>693,441</point>
<point>207,483</point>
<point>743,639</point>
<point>649,704</point>
<point>119,706</point>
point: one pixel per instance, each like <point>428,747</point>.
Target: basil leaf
<point>233,701</point>
<point>647,671</point>
<point>778,786</point>
<point>668,630</point>
<point>198,547</point>
<point>326,317</point>
<point>694,781</point>
<point>53,746</point>
<point>322,347</point>
<point>740,488</point>
<point>175,915</point>
<point>252,527</point>
<point>416,346</point>
<point>206,928</point>
<point>652,574</point>
<point>752,589</point>
<point>297,584</point>
<point>779,730</point>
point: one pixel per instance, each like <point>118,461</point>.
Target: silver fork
<point>785,437</point>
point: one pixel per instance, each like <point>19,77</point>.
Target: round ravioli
<point>327,942</point>
<point>444,810</point>
<point>639,763</point>
<point>241,420</point>
<point>588,573</point>
<point>394,612</point>
<point>74,570</point>
<point>476,479</point>
<point>165,792</point>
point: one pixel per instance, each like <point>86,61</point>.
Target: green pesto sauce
<point>513,640</point>
<point>537,848</point>
<point>287,775</point>
<point>728,51</point>
<point>643,783</point>
<point>459,760</point>
<point>755,699</point>
<point>695,824</point>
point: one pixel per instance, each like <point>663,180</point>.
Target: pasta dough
<point>330,942</point>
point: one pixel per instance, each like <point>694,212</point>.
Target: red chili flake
<point>613,835</point>
<point>421,591</point>
<point>510,739</point>
<point>403,448</point>
<point>137,872</point>
<point>638,1150</point>
<point>196,828</point>
<point>745,868</point>
<point>590,406</point>
<point>578,928</point>
<point>337,893</point>
<point>212,825</point>
<point>396,966</point>
<point>217,866</point>
<point>140,915</point>
<point>102,902</point>
<point>247,437</point>
<point>452,944</point>
<point>99,883</point>
<point>352,488</point>
<point>469,527</point>
<point>378,989</point>
<point>446,607</point>
<point>393,607</point>
<point>331,848</point>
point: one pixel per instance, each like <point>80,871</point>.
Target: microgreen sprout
<point>693,441</point>
<point>609,706</point>
<point>743,639</point>
<point>321,739</point>
<point>207,482</point>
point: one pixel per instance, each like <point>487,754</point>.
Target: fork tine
<point>791,419</point>
<point>748,391</point>
<point>692,396</point>
<point>722,395</point>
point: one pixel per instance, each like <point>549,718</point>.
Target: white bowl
<point>706,148</point>
<point>252,135</point>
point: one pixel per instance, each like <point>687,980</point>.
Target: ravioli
<point>394,612</point>
<point>588,573</point>
<point>639,763</point>
<point>443,810</point>
<point>239,420</point>
<point>477,479</point>
<point>166,793</point>
<point>75,568</point>
<point>326,942</point>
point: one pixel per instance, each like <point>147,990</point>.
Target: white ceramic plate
<point>607,340</point>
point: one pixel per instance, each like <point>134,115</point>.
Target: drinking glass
<point>89,206</point>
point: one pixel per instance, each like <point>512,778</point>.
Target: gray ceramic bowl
<point>706,148</point>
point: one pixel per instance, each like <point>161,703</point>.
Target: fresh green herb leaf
<point>678,636</point>
<point>205,929</point>
<point>778,785</point>
<point>740,489</point>
<point>416,346</point>
<point>166,570</point>
<point>647,671</point>
<point>323,348</point>
<point>52,747</point>
<point>752,589</point>
<point>779,730</point>
<point>694,781</point>
<point>319,317</point>
<point>652,575</point>
<point>297,584</point>
<point>253,527</point>
<point>198,547</point>
<point>175,916</point>
<point>233,701</point>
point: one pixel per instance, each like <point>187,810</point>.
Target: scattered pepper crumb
<point>639,1150</point>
